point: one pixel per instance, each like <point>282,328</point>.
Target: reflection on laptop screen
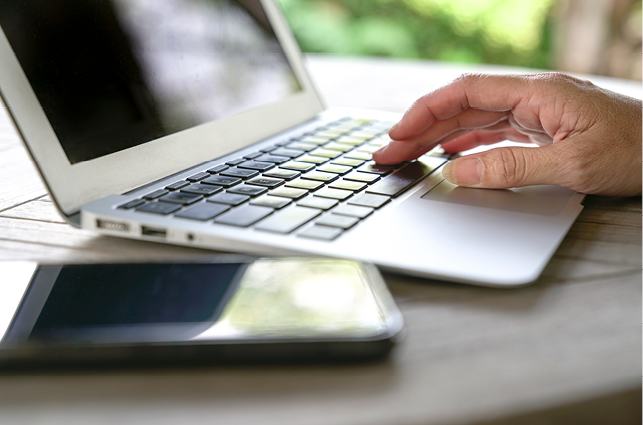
<point>112,74</point>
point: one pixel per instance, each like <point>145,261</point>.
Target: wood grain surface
<point>564,350</point>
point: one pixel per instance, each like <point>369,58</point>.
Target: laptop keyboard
<point>317,185</point>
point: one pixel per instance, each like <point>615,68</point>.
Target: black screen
<point>113,74</point>
<point>87,298</point>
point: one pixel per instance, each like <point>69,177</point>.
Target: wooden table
<point>564,350</point>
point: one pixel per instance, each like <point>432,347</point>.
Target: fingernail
<point>464,172</point>
<point>393,128</point>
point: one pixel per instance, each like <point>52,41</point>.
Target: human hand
<point>589,137</point>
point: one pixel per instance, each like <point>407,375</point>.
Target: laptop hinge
<point>73,219</point>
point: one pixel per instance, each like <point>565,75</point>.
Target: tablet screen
<point>180,302</point>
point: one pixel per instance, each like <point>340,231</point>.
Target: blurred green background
<point>529,33</point>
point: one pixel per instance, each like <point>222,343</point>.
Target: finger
<point>471,119</point>
<point>503,168</point>
<point>477,138</point>
<point>406,150</point>
<point>499,127</point>
<point>482,92</point>
<point>398,151</point>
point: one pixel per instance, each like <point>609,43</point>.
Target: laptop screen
<point>113,74</point>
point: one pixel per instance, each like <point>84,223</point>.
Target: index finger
<point>479,91</point>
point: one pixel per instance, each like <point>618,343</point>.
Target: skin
<point>589,138</point>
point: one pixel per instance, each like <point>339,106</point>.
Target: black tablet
<point>219,311</point>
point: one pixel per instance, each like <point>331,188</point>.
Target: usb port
<point>153,231</point>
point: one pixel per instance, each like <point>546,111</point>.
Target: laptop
<point>194,122</point>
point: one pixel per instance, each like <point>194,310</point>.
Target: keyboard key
<point>243,173</point>
<point>235,161</point>
<point>289,192</point>
<point>228,198</point>
<point>347,128</point>
<point>371,167</point>
<point>202,189</point>
<point>334,168</point>
<point>288,220</point>
<point>275,159</point>
<point>319,203</point>
<point>369,200</point>
<point>342,147</point>
<point>353,211</point>
<point>181,198</point>
<point>327,153</point>
<point>321,176</point>
<point>156,194</point>
<point>362,177</point>
<point>314,159</point>
<point>334,220</point>
<point>282,174</point>
<point>132,204</point>
<point>357,122</point>
<point>329,134</point>
<point>266,181</point>
<point>297,166</point>
<point>177,185</point>
<point>198,176</point>
<point>366,133</point>
<point>379,142</point>
<point>339,194</point>
<point>316,139</point>
<point>248,190</point>
<point>321,232</point>
<point>268,149</point>
<point>302,146</point>
<point>244,215</point>
<point>203,211</point>
<point>368,148</point>
<point>351,140</point>
<point>396,183</point>
<point>222,181</point>
<point>271,201</point>
<point>348,185</point>
<point>291,153</point>
<point>305,184</point>
<point>257,165</point>
<point>348,162</point>
<point>364,156</point>
<point>383,125</point>
<point>159,208</point>
<point>218,168</point>
<point>253,155</point>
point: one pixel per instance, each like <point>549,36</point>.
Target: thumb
<point>503,168</point>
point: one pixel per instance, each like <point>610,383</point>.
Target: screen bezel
<point>73,185</point>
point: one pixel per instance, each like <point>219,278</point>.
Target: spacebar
<point>396,183</point>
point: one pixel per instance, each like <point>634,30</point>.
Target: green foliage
<point>512,32</point>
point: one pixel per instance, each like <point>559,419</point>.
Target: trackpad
<point>541,200</point>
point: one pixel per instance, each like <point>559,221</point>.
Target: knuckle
<point>556,76</point>
<point>562,79</point>
<point>468,79</point>
<point>506,168</point>
<point>513,166</point>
